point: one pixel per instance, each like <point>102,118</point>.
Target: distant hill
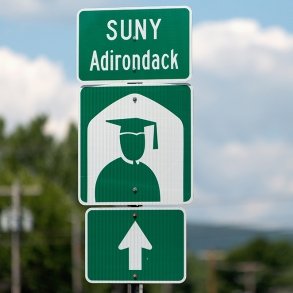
<point>201,237</point>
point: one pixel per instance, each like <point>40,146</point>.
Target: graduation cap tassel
<point>155,139</point>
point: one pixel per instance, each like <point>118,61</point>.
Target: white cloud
<point>248,183</point>
<point>243,80</point>
<point>262,168</point>
<point>243,118</point>
<point>253,213</point>
<point>29,87</point>
<point>242,46</point>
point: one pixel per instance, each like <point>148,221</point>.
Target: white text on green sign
<point>134,44</point>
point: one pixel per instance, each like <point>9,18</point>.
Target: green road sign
<point>135,245</point>
<point>135,145</point>
<point>134,44</point>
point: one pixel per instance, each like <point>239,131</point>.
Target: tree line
<point>32,156</point>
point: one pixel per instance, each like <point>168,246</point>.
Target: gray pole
<point>15,240</point>
<point>134,288</point>
<point>249,270</point>
<point>16,191</point>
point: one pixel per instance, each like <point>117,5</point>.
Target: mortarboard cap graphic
<point>136,125</point>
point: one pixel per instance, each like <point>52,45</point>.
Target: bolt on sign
<point>135,145</point>
<point>134,44</point>
<point>135,245</point>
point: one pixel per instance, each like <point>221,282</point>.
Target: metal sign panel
<point>134,44</point>
<point>135,245</point>
<point>135,145</point>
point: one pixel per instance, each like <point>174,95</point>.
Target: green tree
<point>27,154</point>
<point>35,157</point>
<point>46,262</point>
<point>2,143</point>
<point>268,264</point>
<point>2,128</point>
<point>65,158</point>
<point>30,148</point>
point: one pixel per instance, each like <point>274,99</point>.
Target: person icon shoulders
<point>127,179</point>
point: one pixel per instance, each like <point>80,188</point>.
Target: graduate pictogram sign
<point>135,145</point>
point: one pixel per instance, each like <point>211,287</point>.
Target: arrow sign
<point>108,231</point>
<point>135,241</point>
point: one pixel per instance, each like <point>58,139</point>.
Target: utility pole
<point>212,257</point>
<point>16,191</point>
<point>249,271</point>
<point>212,278</point>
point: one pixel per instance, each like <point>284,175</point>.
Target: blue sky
<point>243,63</point>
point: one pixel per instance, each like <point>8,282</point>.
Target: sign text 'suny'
<point>133,29</point>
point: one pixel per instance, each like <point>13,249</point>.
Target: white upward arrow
<point>135,241</point>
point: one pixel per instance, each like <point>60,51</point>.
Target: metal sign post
<point>134,288</point>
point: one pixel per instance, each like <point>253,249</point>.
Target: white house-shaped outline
<point>166,162</point>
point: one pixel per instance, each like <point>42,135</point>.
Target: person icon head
<point>132,137</point>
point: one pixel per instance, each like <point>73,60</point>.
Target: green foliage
<point>270,263</point>
<point>195,277</point>
<point>2,144</point>
<point>65,162</point>
<point>27,154</point>
<point>2,128</point>
<point>4,259</point>
<point>46,250</point>
<point>34,157</point>
<point>29,147</point>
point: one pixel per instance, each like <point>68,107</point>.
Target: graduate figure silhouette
<point>126,179</point>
